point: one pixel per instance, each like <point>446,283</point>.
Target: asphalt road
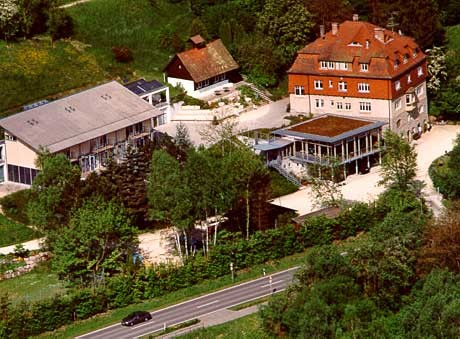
<point>200,306</point>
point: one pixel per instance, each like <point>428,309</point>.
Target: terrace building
<point>352,144</point>
<point>90,127</point>
<point>361,70</point>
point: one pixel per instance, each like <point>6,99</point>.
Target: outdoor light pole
<point>231,270</point>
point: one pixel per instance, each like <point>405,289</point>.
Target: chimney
<point>321,31</point>
<point>355,17</point>
<point>379,34</point>
<point>335,28</point>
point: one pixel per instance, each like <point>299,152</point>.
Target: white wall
<point>187,85</point>
<point>19,154</point>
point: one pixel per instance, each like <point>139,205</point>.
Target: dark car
<point>136,318</point>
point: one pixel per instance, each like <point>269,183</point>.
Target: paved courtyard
<point>365,188</point>
<point>266,116</point>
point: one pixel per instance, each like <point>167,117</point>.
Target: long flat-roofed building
<point>90,127</point>
<point>354,144</point>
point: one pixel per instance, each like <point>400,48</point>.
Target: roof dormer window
<point>406,58</point>
<point>323,64</point>
<point>414,53</point>
<point>396,64</point>
<point>364,67</point>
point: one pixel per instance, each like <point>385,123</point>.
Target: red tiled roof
<point>356,42</point>
<point>207,62</point>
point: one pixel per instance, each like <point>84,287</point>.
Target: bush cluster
<point>143,283</point>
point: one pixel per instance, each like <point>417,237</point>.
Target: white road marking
<point>210,303</point>
<point>273,283</point>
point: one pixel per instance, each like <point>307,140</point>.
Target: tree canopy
<point>97,242</point>
<point>399,163</point>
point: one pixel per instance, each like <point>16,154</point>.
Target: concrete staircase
<point>289,176</point>
<point>259,92</point>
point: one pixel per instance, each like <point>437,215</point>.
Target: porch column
<point>359,147</point>
<point>150,99</point>
<point>346,150</point>
<point>367,143</point>
<point>343,151</point>
<point>354,147</point>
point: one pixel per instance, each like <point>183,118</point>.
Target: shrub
<point>122,54</point>
<point>14,205</point>
<point>60,25</point>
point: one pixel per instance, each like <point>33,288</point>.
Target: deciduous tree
<point>54,192</point>
<point>399,163</point>
<point>97,241</point>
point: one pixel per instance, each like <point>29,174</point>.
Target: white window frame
<point>318,84</point>
<point>299,90</point>
<point>419,71</point>
<point>364,67</point>
<point>319,103</point>
<point>419,90</point>
<point>331,84</point>
<point>330,65</point>
<point>409,79</point>
<point>348,106</point>
<point>364,87</point>
<point>339,105</point>
<point>410,98</point>
<point>343,87</point>
<point>323,64</point>
<point>397,85</point>
<point>365,106</point>
<point>397,104</point>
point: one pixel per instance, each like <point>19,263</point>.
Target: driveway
<point>267,116</point>
<point>365,188</point>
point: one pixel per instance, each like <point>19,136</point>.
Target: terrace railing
<point>289,176</point>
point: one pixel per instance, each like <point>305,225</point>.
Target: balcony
<point>410,106</point>
<point>138,134</point>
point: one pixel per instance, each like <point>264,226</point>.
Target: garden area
<point>12,233</point>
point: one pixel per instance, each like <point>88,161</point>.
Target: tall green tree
<point>98,240</point>
<point>169,195</point>
<point>54,192</point>
<point>287,23</point>
<point>245,167</point>
<point>399,163</point>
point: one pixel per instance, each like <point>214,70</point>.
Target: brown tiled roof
<point>329,125</point>
<point>350,45</point>
<point>207,62</point>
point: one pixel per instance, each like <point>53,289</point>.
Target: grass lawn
<point>32,70</point>
<point>132,23</point>
<point>205,287</point>
<point>246,327</point>
<point>13,233</point>
<point>36,285</point>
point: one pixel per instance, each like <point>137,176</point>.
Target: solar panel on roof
<point>35,104</point>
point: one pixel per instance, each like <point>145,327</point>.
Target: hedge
<point>149,282</point>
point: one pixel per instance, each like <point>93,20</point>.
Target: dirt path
<point>73,3</point>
